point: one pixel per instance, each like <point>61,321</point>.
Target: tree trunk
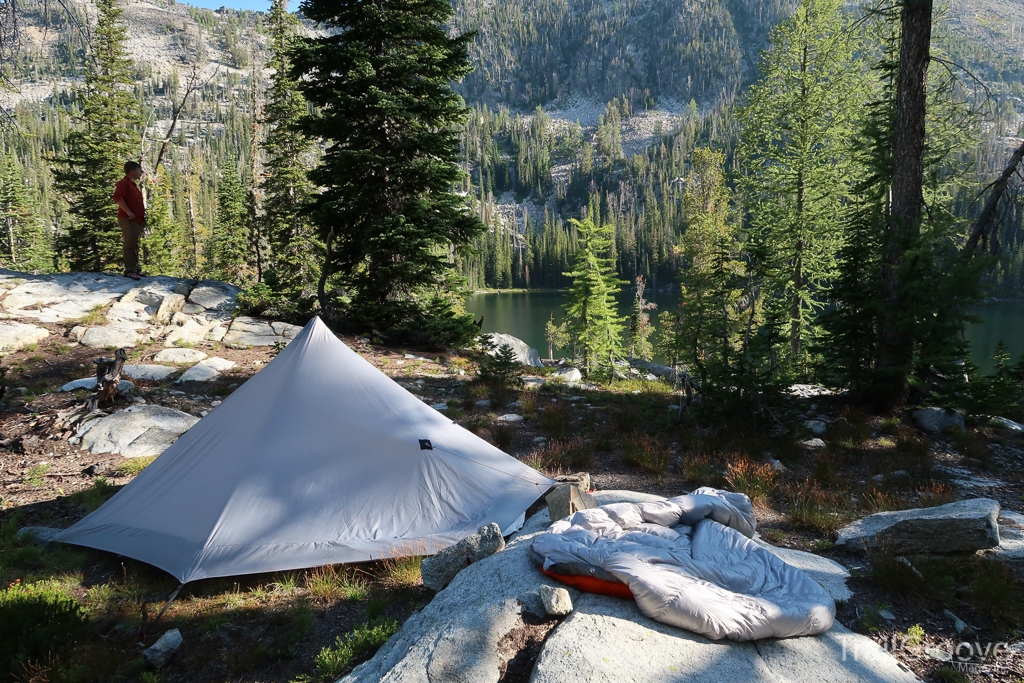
<point>895,342</point>
<point>108,377</point>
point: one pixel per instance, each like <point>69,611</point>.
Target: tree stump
<point>108,377</point>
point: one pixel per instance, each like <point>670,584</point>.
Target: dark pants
<point>131,232</point>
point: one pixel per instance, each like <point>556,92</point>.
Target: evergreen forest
<point>742,153</point>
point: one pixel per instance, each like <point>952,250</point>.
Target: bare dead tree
<point>192,84</point>
<point>986,220</point>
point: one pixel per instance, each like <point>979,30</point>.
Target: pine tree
<point>296,253</point>
<point>702,331</point>
<point>591,320</point>
<point>555,335</point>
<point>24,244</point>
<point>387,215</point>
<point>640,327</point>
<point>163,250</point>
<point>107,135</point>
<point>797,160</point>
<point>231,260</point>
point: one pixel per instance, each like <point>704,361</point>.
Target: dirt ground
<point>272,627</point>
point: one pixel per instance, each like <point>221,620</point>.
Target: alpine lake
<point>524,314</point>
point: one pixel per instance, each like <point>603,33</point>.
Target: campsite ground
<point>285,627</point>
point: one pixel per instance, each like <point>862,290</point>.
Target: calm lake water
<point>524,314</point>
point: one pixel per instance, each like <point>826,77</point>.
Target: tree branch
<point>985,219</point>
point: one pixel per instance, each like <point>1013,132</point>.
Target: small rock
<point>567,374</point>
<point>162,650</point>
<point>938,655</point>
<point>116,335</point>
<point>958,624</point>
<point>937,420</point>
<point>179,356</point>
<point>777,465</point>
<point>76,333</point>
<point>169,305</point>
<point>539,439</point>
<point>511,417</point>
<point>580,479</point>
<point>485,403</point>
<point>817,427</point>
<point>150,372</point>
<point>813,444</point>
<point>215,403</point>
<point>21,391</point>
<point>439,570</point>
<point>440,406</point>
<point>1008,424</point>
<point>557,602</point>
<point>16,336</point>
<point>891,475</point>
<point>89,383</point>
<point>567,499</point>
<point>206,370</point>
<point>887,615</point>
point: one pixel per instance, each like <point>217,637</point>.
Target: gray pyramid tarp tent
<point>319,459</point>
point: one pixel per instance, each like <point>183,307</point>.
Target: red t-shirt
<point>127,190</point>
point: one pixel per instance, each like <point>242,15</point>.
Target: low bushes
<point>36,620</point>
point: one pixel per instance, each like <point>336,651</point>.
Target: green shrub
<point>364,640</point>
<point>571,454</point>
<point>502,435</point>
<point>556,420</point>
<point>812,508</point>
<point>645,452</point>
<point>96,495</point>
<point>502,372</point>
<point>35,620</point>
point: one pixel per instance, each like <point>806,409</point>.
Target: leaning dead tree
<point>108,377</point>
<point>986,222</point>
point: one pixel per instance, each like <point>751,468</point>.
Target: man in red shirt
<point>131,216</point>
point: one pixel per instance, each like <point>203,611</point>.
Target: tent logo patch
<point>425,445</point>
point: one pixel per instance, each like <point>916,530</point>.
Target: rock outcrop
<point>937,420</point>
<point>456,637</point>
<point>136,432</point>
<point>439,570</point>
<point>525,354</point>
<point>963,526</point>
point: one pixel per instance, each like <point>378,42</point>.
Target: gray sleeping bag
<point>689,562</point>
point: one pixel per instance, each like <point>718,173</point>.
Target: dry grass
<point>327,584</point>
<point>132,467</point>
<point>645,452</point>
<point>811,507</point>
<point>757,480</point>
<point>702,470</point>
<point>401,572</point>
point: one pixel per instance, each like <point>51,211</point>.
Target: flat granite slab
<point>456,637</point>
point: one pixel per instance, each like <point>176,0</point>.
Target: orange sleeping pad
<point>589,584</point>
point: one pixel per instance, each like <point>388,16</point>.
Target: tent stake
<point>169,601</point>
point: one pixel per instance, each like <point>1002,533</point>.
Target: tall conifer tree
<point>797,161</point>
<point>24,243</point>
<point>296,252</point>
<point>387,213</point>
<point>231,259</point>
<point>108,134</point>
<point>591,321</point>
